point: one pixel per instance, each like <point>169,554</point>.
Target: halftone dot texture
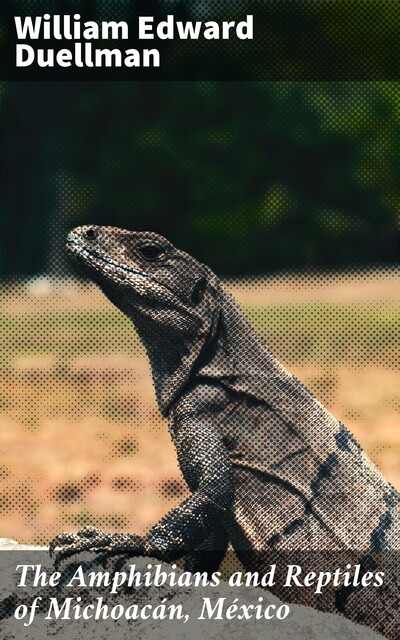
<point>82,439</point>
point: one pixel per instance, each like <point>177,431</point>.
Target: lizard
<point>270,470</point>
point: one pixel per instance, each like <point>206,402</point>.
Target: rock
<point>6,544</point>
<point>302,623</point>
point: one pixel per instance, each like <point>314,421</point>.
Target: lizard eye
<point>151,252</point>
<point>91,234</point>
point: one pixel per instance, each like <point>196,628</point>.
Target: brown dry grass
<point>81,439</point>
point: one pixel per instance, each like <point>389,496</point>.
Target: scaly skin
<point>270,469</point>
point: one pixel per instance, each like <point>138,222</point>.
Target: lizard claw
<point>69,544</point>
<point>92,539</point>
<point>60,540</point>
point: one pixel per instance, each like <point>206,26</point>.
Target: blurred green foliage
<point>247,176</point>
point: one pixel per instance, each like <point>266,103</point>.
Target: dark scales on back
<point>270,469</point>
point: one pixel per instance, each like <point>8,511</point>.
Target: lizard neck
<point>173,356</point>
<point>238,356</point>
<point>223,349</point>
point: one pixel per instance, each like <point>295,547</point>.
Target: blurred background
<point>290,191</point>
<point>252,177</point>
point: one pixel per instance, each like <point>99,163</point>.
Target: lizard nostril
<point>91,234</point>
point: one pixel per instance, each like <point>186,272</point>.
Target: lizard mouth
<point>92,256</point>
<point>109,269</point>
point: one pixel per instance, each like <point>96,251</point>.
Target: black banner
<point>249,40</point>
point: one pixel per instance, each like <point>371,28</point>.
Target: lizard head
<point>143,273</point>
<point>171,297</point>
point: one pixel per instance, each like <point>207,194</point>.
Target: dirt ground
<point>81,438</point>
